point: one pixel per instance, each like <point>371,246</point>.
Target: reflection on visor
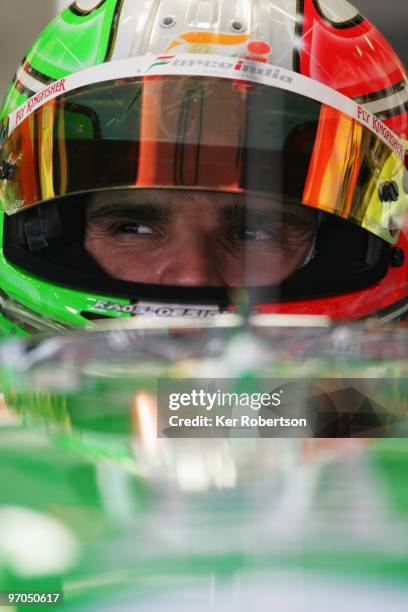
<point>200,133</point>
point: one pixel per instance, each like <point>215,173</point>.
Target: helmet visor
<point>172,163</point>
<point>205,133</point>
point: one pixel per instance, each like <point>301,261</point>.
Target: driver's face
<point>197,238</point>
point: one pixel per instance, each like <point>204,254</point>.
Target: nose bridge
<point>195,262</point>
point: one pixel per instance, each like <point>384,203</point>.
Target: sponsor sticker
<point>377,126</point>
<point>49,92</point>
<point>161,310</point>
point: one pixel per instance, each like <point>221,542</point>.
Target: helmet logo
<point>258,51</point>
<point>208,42</point>
<point>152,309</point>
<point>162,60</point>
<point>231,44</point>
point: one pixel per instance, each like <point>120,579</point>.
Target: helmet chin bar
<point>345,258</point>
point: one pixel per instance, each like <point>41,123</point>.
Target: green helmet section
<point>48,302</point>
<point>74,40</point>
<point>53,308</point>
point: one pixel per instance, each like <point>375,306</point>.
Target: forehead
<point>200,200</point>
<point>165,197</point>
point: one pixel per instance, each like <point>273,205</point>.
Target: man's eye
<point>135,228</point>
<point>251,233</point>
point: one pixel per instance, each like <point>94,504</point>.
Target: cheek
<point>128,264</point>
<point>269,268</point>
<point>294,257</point>
<point>99,249</point>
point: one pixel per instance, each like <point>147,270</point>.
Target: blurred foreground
<point>95,505</point>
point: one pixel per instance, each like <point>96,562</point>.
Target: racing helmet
<point>178,158</point>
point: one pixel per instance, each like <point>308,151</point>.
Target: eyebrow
<point>242,213</point>
<point>154,212</point>
<point>139,212</point>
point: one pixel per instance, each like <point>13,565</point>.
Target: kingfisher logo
<point>162,60</point>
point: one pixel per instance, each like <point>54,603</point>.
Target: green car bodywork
<point>136,532</point>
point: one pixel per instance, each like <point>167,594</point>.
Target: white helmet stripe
<point>215,66</point>
<point>392,101</point>
<point>29,82</point>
